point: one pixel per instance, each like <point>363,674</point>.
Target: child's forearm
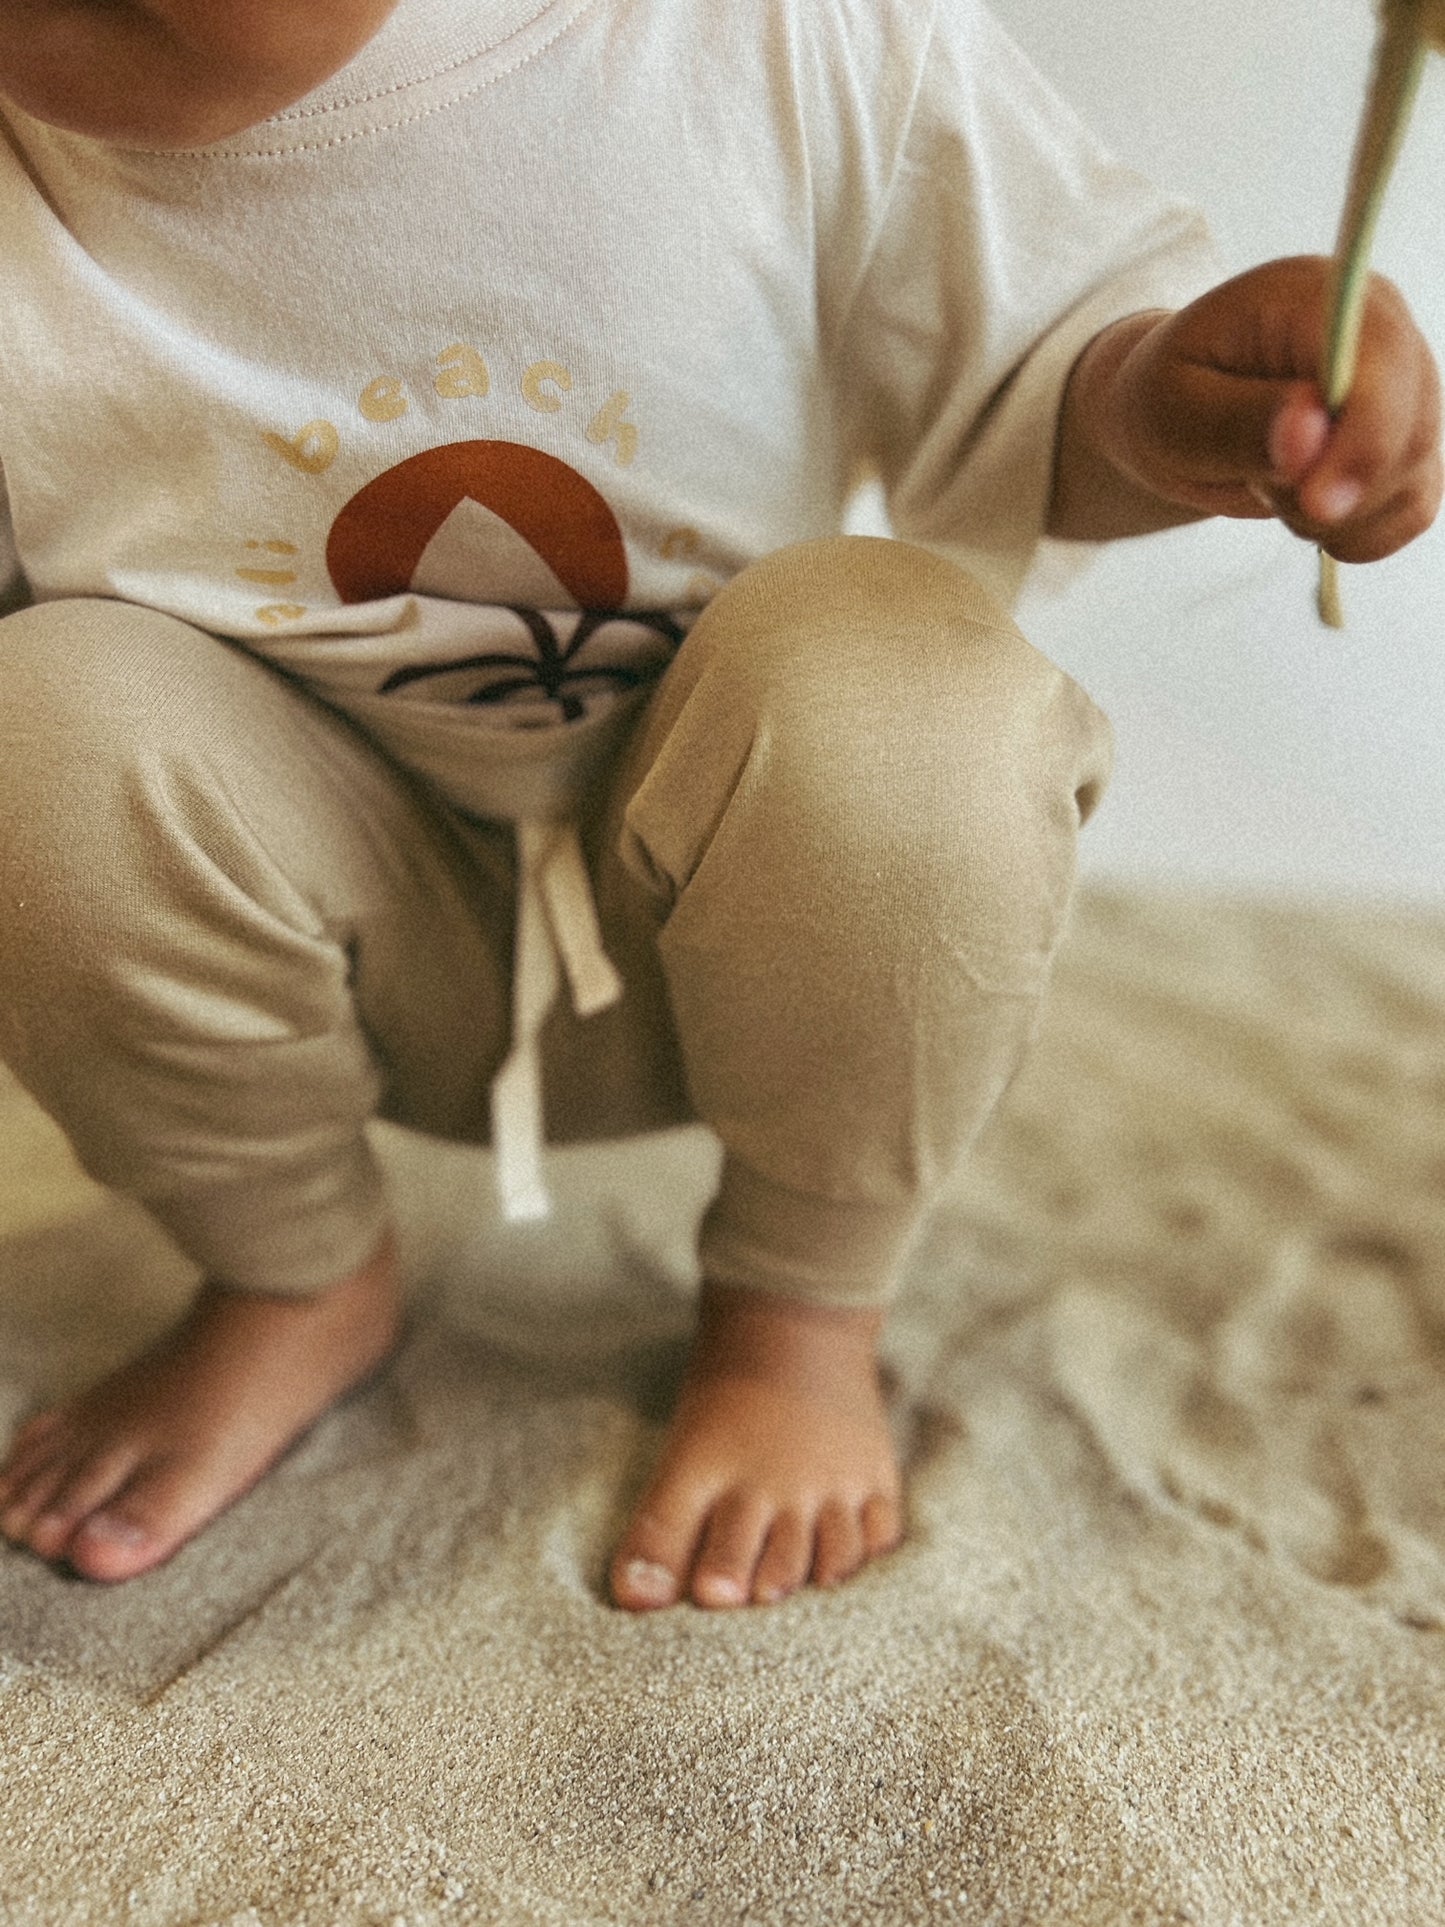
<point>1093,500</point>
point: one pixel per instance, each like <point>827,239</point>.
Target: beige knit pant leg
<point>835,866</point>
<point>231,933</point>
<point>854,804</point>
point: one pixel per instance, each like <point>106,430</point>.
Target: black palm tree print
<point>553,668</point>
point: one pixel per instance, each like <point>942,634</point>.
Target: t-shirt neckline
<point>427,54</point>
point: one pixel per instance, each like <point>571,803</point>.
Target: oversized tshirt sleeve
<point>1007,238</point>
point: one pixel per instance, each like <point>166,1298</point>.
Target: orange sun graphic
<point>379,537</point>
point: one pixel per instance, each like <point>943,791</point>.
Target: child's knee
<point>121,742</point>
<point>97,715</point>
<point>859,641</point>
<point>891,723</point>
<point>97,694</point>
<point>86,656</point>
<point>879,584</point>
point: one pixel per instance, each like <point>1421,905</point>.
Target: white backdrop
<point>1258,750</point>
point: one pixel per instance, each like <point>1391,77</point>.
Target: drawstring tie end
<point>557,930</point>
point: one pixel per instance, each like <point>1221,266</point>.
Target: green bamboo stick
<point>1408,29</point>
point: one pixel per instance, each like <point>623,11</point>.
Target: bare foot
<point>115,1481</point>
<point>778,1467</point>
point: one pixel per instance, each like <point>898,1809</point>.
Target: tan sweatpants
<point>832,864</point>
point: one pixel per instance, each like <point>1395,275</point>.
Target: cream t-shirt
<point>457,388</point>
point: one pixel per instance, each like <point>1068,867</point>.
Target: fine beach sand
<point>1166,1643</point>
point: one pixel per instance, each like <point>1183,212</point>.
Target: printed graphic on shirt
<point>461,519</point>
<point>534,547</point>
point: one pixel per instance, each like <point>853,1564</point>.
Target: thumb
<point>1298,433</point>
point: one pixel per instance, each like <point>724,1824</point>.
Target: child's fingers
<point>1215,428</point>
<point>1222,408</point>
<point>1388,431</point>
<point>1366,484</point>
<point>1227,390</point>
<point>1298,433</point>
<point>1373,469</point>
<point>1389,527</point>
<point>1371,530</point>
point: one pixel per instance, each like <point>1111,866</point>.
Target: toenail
<point>720,1590</point>
<point>117,1531</point>
<point>650,1580</point>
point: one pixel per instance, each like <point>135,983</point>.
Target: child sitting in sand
<point>435,671</point>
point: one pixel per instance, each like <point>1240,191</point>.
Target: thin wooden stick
<point>1406,30</point>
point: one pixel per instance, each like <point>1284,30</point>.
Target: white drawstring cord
<point>557,929</point>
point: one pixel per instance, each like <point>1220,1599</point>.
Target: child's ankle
<point>370,1294</point>
<point>763,1334</point>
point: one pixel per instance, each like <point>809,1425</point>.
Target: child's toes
<point>43,1494</point>
<point>26,1501</point>
<point>732,1544</point>
<point>786,1558</point>
<point>651,1564</point>
<point>839,1543</point>
<point>109,1547</point>
<point>882,1526</point>
<point>28,1443</point>
<point>80,1492</point>
<point>141,1526</point>
<point>31,1450</point>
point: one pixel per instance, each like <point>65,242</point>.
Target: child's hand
<point>1219,408</point>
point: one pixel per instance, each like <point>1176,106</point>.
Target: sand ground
<point>1166,1642</point>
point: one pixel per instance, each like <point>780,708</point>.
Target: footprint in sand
<point>1310,1420</point>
